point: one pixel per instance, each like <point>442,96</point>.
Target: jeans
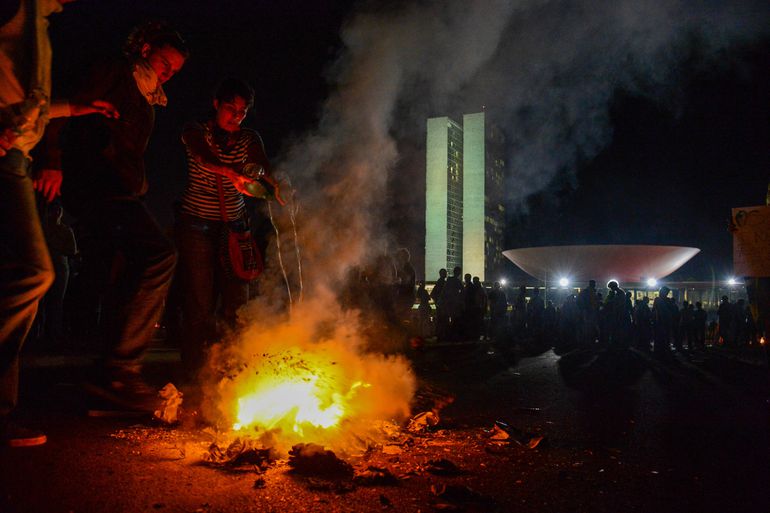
<point>143,261</point>
<point>204,285</point>
<point>26,270</point>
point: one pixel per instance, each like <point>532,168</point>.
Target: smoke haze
<point>546,70</point>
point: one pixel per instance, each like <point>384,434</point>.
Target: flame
<point>296,401</point>
<point>307,377</point>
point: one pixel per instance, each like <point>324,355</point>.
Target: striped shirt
<point>201,197</point>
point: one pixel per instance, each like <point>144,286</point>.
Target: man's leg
<point>26,271</point>
<point>141,288</point>
<point>198,254</point>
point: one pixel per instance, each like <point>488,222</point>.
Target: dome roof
<point>625,263</point>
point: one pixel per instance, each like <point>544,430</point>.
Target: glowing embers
<point>296,392</point>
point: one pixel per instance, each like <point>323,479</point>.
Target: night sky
<point>668,172</point>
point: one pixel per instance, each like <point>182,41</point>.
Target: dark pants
<point>26,271</point>
<point>208,292</point>
<point>134,300</point>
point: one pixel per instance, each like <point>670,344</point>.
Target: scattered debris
<point>523,438</point>
<point>312,459</point>
<point>169,409</point>
<point>326,485</point>
<point>423,421</point>
<point>375,476</point>
<point>459,494</point>
<point>392,449</point>
<point>241,453</point>
<point>444,467</point>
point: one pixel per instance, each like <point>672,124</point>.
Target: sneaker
<point>126,390</point>
<point>13,435</point>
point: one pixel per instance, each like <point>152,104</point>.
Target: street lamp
<point>564,282</point>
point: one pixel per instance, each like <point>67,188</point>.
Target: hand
<point>7,138</point>
<point>49,183</point>
<point>102,107</point>
<point>240,182</point>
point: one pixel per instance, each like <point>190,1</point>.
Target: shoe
<point>13,435</point>
<point>125,390</point>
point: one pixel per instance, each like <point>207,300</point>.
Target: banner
<point>751,241</point>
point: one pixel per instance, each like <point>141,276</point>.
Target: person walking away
<point>102,162</point>
<point>26,271</point>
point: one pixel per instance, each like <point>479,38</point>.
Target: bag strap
<point>222,209</point>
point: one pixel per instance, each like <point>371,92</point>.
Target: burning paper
<point>306,379</point>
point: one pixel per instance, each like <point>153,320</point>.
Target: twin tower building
<point>464,215</point>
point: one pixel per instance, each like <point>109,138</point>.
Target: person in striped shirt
<point>217,149</point>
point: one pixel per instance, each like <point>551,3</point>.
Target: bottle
<point>260,187</point>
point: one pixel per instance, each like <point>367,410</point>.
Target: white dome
<point>625,263</point>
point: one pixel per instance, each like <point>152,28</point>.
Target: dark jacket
<point>103,158</point>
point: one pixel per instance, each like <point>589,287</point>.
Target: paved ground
<point>623,432</point>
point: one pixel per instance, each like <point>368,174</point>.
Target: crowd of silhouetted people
<point>461,308</point>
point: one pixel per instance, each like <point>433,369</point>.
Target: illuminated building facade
<point>464,216</point>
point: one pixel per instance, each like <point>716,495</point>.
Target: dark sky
<point>669,174</point>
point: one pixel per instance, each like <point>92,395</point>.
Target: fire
<point>308,377</point>
<point>297,401</point>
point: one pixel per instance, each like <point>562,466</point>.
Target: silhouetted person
<point>643,324</point>
<point>677,321</point>
<point>519,320</point>
<point>452,297</point>
<point>725,319</point>
<point>699,325</point>
<point>424,311</point>
<point>617,320</point>
<point>478,308</point>
<point>442,314</point>
<point>549,322</point>
<point>498,309</point>
<point>535,310</point>
<point>687,324</point>
<point>588,304</point>
<point>663,319</point>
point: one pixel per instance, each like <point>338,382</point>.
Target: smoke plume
<point>546,70</point>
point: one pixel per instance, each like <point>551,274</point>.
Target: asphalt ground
<point>622,431</point>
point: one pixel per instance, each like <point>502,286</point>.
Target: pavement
<point>622,431</point>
